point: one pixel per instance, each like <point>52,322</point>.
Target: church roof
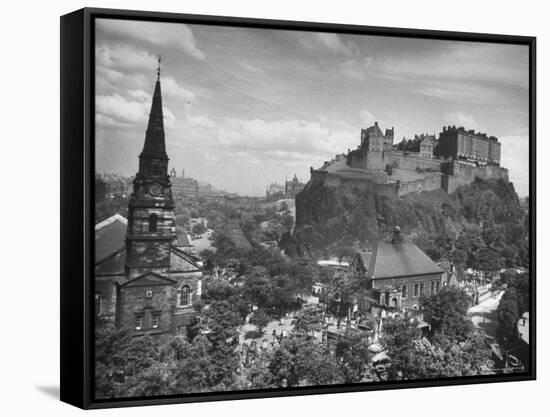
<point>109,237</point>
<point>400,259</point>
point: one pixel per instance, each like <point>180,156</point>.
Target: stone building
<point>398,273</point>
<point>459,143</point>
<point>143,280</point>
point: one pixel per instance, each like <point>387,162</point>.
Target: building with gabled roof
<point>144,281</point>
<point>399,273</point>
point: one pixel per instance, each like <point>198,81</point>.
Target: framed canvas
<point>258,208</point>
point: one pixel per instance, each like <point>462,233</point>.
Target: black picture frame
<point>77,191</point>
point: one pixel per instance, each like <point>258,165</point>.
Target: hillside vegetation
<point>481,225</point>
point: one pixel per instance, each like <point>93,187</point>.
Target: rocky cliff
<point>330,218</point>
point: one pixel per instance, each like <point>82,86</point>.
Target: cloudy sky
<point>245,107</point>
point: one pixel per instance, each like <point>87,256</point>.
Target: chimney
<point>396,235</point>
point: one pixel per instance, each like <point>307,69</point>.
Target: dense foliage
<point>514,302</point>
<point>480,226</point>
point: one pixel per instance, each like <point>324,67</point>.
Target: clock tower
<point>151,221</point>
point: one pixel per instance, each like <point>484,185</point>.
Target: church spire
<point>154,136</point>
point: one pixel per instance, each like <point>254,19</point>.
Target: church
<point>144,281</point>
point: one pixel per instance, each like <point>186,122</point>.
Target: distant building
<point>116,185</point>
<point>185,188</point>
<point>275,191</point>
<point>293,187</point>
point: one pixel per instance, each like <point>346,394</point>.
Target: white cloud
<point>367,118</point>
<point>116,111</point>
<point>117,107</point>
<point>461,119</point>
<point>459,92</point>
<point>170,88</point>
<point>328,41</point>
<point>124,56</point>
<point>165,35</point>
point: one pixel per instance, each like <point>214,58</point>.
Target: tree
<point>260,319</point>
<point>416,357</point>
<point>302,362</point>
<point>308,321</point>
<point>355,359</point>
<point>512,305</point>
<point>447,313</point>
<point>198,228</point>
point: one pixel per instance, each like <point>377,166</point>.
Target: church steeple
<point>154,136</point>
<point>151,219</point>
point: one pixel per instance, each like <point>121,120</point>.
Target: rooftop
<point>400,259</point>
<point>109,236</point>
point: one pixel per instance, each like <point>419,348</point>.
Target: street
<point>483,316</point>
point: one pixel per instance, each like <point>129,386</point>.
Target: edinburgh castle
<point>424,163</point>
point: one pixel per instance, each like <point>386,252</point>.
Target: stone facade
<point>459,143</point>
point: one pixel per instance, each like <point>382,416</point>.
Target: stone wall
<point>458,174</point>
<point>411,161</point>
<point>411,300</point>
<point>366,160</point>
<point>133,301</point>
<point>430,182</point>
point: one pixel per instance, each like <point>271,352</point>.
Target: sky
<point>247,107</point>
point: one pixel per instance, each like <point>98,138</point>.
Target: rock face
<point>328,217</point>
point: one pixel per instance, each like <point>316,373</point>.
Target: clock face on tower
<point>150,254</point>
<point>155,189</point>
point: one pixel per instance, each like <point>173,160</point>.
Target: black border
<point>77,229</point>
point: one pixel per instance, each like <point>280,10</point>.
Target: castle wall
<point>411,161</point>
<point>460,174</point>
<point>367,160</point>
<point>430,182</point>
<point>446,175</point>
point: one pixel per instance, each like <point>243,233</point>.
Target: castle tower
<point>151,220</point>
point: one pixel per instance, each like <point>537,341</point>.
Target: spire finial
<point>158,70</point>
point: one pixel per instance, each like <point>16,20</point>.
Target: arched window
<point>153,220</point>
<point>185,296</point>
<point>98,299</point>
